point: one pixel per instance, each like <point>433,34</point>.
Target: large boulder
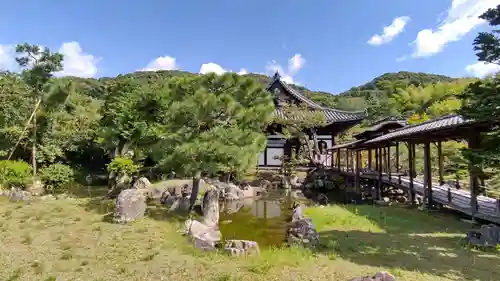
<point>210,207</point>
<point>204,237</point>
<point>241,247</point>
<point>130,205</point>
<point>487,235</point>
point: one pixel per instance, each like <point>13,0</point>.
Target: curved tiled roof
<point>331,115</point>
<point>442,123</point>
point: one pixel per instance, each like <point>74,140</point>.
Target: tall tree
<point>216,125</point>
<point>134,115</point>
<point>487,44</point>
<point>38,66</point>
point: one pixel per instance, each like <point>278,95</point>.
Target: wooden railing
<point>460,200</point>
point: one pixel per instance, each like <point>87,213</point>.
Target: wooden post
<point>369,159</point>
<point>358,170</point>
<point>411,190</point>
<point>379,180</point>
<point>397,163</point>
<point>347,159</point>
<point>473,142</point>
<point>389,161</point>
<point>449,195</point>
<point>440,164</point>
<point>427,175</point>
<point>338,158</point>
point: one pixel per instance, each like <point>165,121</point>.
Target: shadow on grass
<point>408,239</point>
<point>407,219</point>
<point>437,255</point>
<point>106,207</point>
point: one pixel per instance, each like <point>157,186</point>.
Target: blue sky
<point>329,41</point>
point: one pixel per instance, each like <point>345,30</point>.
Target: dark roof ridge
<point>427,122</point>
<point>300,96</point>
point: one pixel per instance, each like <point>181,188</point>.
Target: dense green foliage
<point>190,124</point>
<point>14,173</point>
<point>57,177</point>
<point>487,44</point>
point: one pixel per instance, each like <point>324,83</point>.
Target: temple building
<point>337,121</point>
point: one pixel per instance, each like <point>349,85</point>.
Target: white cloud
<point>76,62</point>
<point>482,69</point>
<point>390,32</point>
<point>162,63</point>
<point>462,17</point>
<point>243,71</point>
<point>7,57</point>
<point>295,64</point>
<point>212,67</point>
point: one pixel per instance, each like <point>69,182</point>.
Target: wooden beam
<point>440,163</point>
<point>427,175</point>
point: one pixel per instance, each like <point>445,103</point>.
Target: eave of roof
<point>331,115</point>
<point>442,123</point>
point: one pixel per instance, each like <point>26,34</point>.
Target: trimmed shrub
<point>57,177</point>
<point>15,173</point>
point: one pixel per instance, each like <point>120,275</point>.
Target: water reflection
<point>259,219</point>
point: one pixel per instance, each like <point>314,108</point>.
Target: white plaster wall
<point>262,158</point>
<point>272,153</point>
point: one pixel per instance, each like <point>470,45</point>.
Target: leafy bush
<point>123,165</point>
<point>56,177</point>
<point>15,173</point>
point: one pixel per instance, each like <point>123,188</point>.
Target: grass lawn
<point>68,239</point>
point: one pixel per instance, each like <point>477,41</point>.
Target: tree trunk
<point>195,190</point>
<point>25,128</point>
<point>33,149</point>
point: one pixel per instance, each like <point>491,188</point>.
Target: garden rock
<point>379,276</point>
<point>130,206</point>
<point>238,248</point>
<point>487,235</point>
<point>229,191</point>
<point>141,183</point>
<point>301,231</point>
<point>17,194</point>
<point>204,237</point>
<point>297,212</point>
<point>210,207</point>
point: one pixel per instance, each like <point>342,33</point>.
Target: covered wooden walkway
<point>377,143</point>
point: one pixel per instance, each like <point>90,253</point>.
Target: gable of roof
<point>331,115</point>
